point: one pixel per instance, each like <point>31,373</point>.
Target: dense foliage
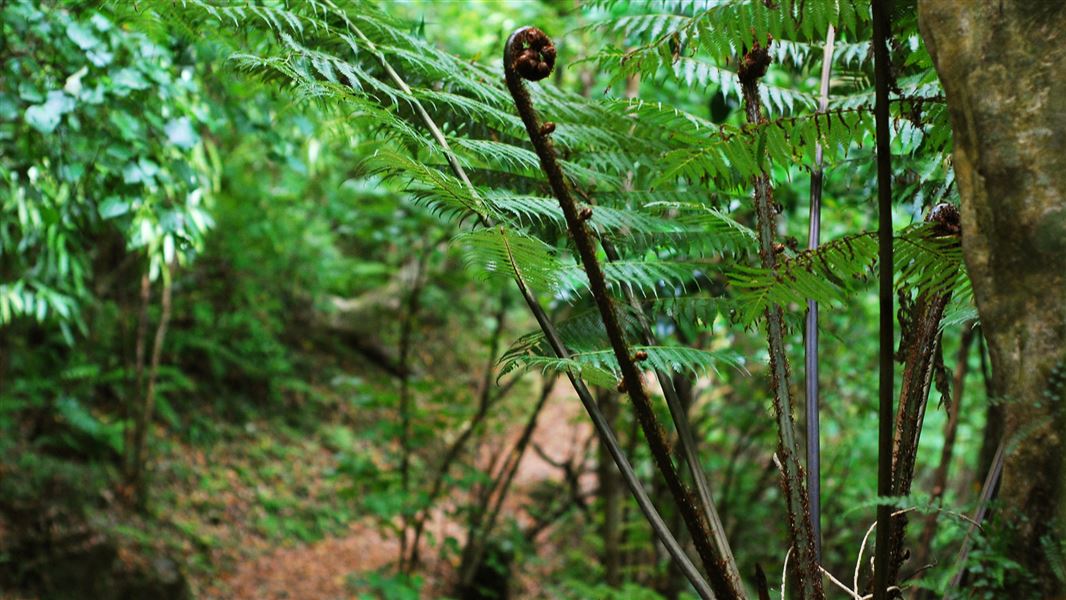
<point>292,248</point>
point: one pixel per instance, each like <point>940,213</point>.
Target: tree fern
<point>660,183</point>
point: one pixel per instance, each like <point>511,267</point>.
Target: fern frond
<point>646,278</point>
<point>500,252</point>
<point>601,368</point>
<point>444,192</point>
<point>827,275</point>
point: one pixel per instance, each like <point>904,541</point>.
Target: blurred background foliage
<point>314,295</point>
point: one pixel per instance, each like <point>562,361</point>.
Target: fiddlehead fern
<point>529,54</point>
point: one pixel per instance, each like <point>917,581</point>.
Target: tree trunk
<point>1001,64</point>
<point>147,409</point>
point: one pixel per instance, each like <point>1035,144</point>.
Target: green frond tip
<point>438,189</point>
<point>648,278</point>
<point>501,252</point>
<point>581,332</point>
<point>599,367</point>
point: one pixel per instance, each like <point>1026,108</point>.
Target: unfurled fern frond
<point>274,17</point>
<point>605,220</point>
<point>701,310</point>
<point>501,252</point>
<point>734,156</point>
<point>581,332</point>
<point>553,365</point>
<point>846,55</point>
<point>601,368</point>
<point>700,73</point>
<point>930,263</point>
<point>443,192</point>
<point>1054,548</point>
<point>827,275</point>
<point>681,227</point>
<point>646,278</point>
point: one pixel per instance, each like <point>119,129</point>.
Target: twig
<point>483,520</point>
<point>865,538</point>
<point>140,450</point>
<point>486,399</point>
<point>407,327</point>
<point>840,584</point>
<point>133,412</point>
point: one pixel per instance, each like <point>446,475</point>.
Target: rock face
<point>1003,67</point>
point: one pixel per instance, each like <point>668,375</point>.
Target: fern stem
<point>920,333</point>
<point>753,67</point>
<point>689,449</point>
<point>923,342</point>
<point>529,54</point>
<point>881,32</point>
<point>810,347</point>
<point>599,422</point>
<point>988,489</point>
<point>940,475</point>
<point>606,434</point>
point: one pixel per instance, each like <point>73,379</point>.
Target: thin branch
<point>987,490</point>
<point>529,54</point>
<point>784,572</point>
<point>485,401</point>
<point>133,412</point>
<point>140,450</point>
<point>483,518</point>
<point>407,327</point>
<point>866,538</point>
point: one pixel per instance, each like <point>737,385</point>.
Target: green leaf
<point>45,117</point>
<point>125,80</point>
<point>82,36</point>
<point>113,207</point>
<point>181,134</point>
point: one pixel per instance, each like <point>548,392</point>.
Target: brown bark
<point>922,336</point>
<point>1001,64</point>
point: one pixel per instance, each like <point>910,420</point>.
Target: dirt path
<point>320,571</point>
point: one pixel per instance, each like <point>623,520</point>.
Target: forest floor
<point>270,520</point>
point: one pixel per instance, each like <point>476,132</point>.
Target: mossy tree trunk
<point>1003,67</point>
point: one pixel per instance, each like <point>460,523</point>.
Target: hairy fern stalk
<point>662,180</point>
